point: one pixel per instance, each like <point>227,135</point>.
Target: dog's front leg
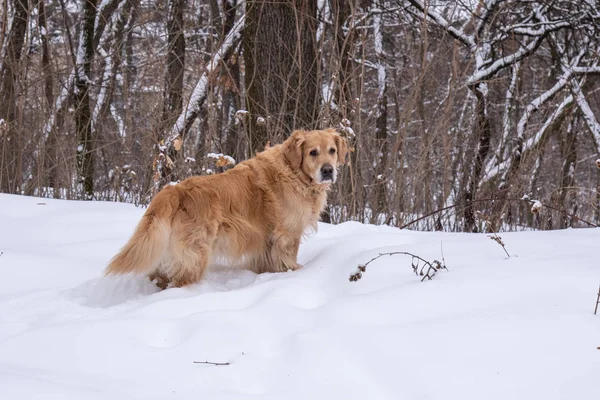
<point>284,251</point>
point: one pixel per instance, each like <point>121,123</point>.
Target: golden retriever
<point>254,214</point>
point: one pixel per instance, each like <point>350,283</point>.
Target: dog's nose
<point>327,171</point>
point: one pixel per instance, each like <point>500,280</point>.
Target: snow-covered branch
<point>487,73</point>
<point>586,110</point>
<point>503,168</point>
<point>439,20</point>
<point>586,70</point>
<point>537,29</point>
<point>198,97</point>
<point>489,6</point>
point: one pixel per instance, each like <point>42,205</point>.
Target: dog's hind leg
<point>162,279</point>
<point>188,268</point>
<point>191,254</point>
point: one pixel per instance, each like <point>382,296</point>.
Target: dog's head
<point>317,153</point>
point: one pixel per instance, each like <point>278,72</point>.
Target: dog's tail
<point>150,240</point>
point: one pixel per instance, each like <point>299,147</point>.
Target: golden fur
<point>253,214</point>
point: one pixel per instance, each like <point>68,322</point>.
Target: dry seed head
<point>536,207</point>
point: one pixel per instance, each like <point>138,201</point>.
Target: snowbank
<point>491,327</point>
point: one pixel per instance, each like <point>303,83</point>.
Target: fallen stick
<point>597,301</point>
<point>210,363</point>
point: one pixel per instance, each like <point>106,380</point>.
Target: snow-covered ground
<point>491,327</point>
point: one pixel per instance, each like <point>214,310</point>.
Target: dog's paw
<point>295,267</point>
<point>159,279</point>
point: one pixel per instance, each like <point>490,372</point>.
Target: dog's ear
<point>292,148</point>
<point>342,148</point>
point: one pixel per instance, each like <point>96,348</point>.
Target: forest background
<point>473,115</point>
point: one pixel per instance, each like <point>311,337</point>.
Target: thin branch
<point>573,216</point>
<point>211,363</point>
<point>597,300</point>
<point>435,17</point>
<point>432,267</point>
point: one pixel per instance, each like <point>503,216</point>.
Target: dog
<point>253,215</point>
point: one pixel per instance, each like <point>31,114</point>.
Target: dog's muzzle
<point>327,173</point>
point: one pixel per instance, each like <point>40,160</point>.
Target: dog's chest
<point>302,212</point>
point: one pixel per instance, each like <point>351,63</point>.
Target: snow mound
<point>491,327</point>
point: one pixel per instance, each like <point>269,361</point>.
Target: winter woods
<point>446,102</point>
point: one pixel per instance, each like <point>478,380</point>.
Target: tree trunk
<point>231,95</point>
<point>280,57</point>
<point>9,92</point>
<point>49,171</point>
<point>381,118</point>
<point>482,130</point>
<point>341,10</point>
<point>173,96</point>
<point>567,181</point>
<point>83,115</point>
<point>46,65</point>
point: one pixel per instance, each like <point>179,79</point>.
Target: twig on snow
<point>427,270</point>
<point>494,236</point>
<point>211,363</point>
<point>597,301</point>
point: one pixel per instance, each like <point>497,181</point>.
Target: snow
<point>490,327</point>
<point>218,156</point>
<point>241,114</point>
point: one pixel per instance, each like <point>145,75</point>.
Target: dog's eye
<point>332,151</point>
<point>313,153</point>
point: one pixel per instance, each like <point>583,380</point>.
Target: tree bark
<point>280,57</point>
<point>482,130</point>
<point>567,181</point>
<point>9,93</point>
<point>83,115</point>
<point>173,96</point>
<point>381,117</point>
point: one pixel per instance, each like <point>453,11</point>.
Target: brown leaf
<point>177,143</point>
<point>170,163</point>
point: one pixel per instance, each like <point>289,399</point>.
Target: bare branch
<point>198,97</point>
<point>435,17</point>
<point>427,270</point>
